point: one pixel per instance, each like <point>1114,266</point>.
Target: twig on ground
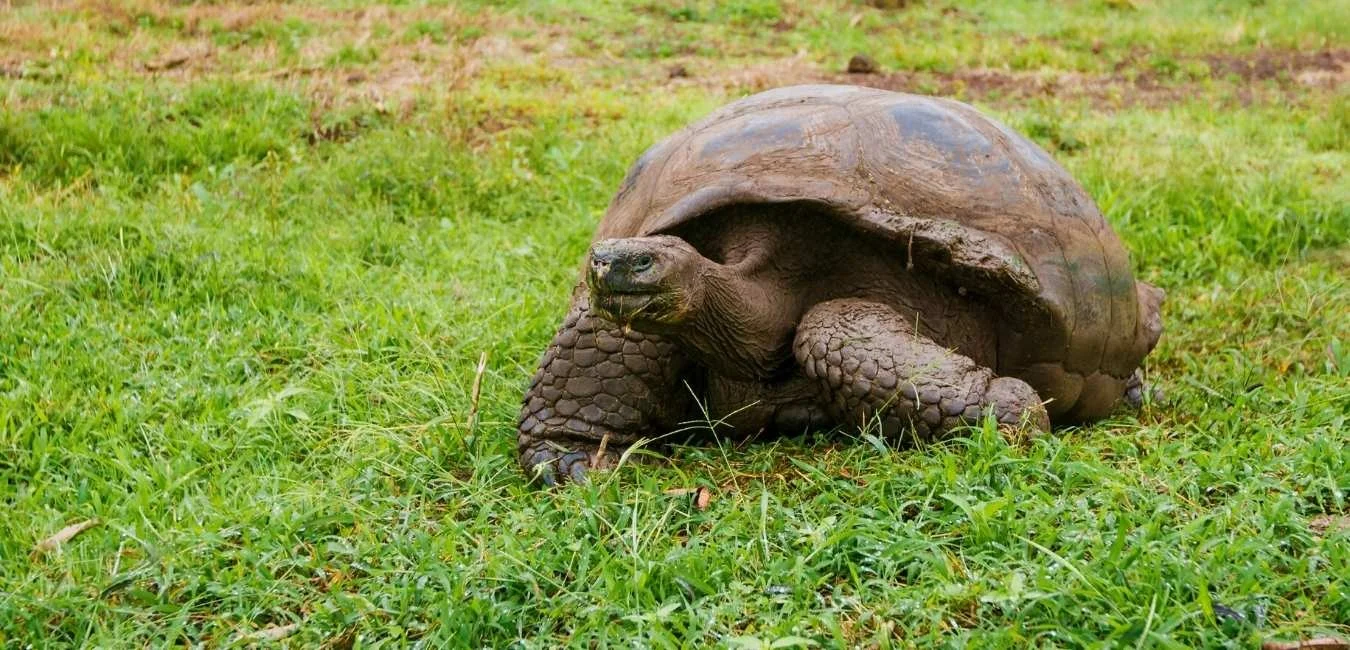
<point>273,633</point>
<point>477,391</point>
<point>1321,643</point>
<point>293,72</point>
<point>167,64</point>
<point>600,453</point>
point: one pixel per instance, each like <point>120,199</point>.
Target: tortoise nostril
<point>642,263</point>
<point>602,254</point>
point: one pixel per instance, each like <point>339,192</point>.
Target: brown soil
<point>1267,64</point>
<point>1289,75</point>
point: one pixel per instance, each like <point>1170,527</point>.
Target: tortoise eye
<point>642,263</point>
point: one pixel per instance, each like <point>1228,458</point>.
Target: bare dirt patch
<point>1323,524</point>
<point>1247,77</point>
<point>1284,73</point>
<point>1268,64</point>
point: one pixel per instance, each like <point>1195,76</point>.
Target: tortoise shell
<point>961,196</point>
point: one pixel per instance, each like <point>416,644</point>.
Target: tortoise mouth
<point>629,305</point>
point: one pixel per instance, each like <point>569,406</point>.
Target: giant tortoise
<point>835,256</point>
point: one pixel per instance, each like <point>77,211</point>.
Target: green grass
<point>240,315</point>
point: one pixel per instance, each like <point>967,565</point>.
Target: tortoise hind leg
<point>868,362</point>
<point>1137,392</point>
<point>599,388</point>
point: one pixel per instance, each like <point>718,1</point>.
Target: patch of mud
<point>1249,77</point>
<point>1269,64</point>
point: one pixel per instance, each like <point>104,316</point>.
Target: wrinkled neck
<point>742,326</point>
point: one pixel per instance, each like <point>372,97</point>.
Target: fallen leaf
<point>1323,643</point>
<point>274,633</point>
<point>64,535</point>
<point>847,475</point>
<point>702,498</point>
<point>702,495</point>
<point>1329,523</point>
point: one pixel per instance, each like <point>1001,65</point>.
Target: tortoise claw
<point>1017,403</point>
<point>551,463</point>
<point>1136,390</point>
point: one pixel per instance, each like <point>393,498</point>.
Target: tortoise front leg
<point>869,363</point>
<point>599,388</point>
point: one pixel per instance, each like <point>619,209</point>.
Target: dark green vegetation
<point>249,258</point>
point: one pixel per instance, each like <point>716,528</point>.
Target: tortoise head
<point>648,282</point>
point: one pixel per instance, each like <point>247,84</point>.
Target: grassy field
<point>250,256</point>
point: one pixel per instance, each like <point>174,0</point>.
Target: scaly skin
<point>749,408</point>
<point>598,385</point>
<point>868,363</point>
<point>1136,391</point>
